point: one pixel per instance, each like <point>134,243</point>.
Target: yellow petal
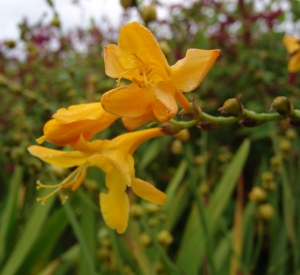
<point>188,72</point>
<point>291,43</point>
<point>74,113</point>
<point>147,191</point>
<point>165,107</point>
<point>294,63</point>
<point>130,141</point>
<point>69,124</point>
<point>131,123</point>
<point>59,158</point>
<point>138,40</point>
<point>115,204</point>
<point>128,101</point>
<point>113,66</point>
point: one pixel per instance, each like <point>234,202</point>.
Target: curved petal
<point>59,158</point>
<point>137,41</point>
<point>113,66</point>
<point>188,72</point>
<point>131,123</point>
<point>128,101</point>
<point>147,191</point>
<point>165,108</point>
<point>291,43</point>
<point>88,111</point>
<point>115,204</point>
<point>294,63</point>
<point>130,141</point>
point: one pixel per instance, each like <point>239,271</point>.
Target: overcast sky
<point>12,12</point>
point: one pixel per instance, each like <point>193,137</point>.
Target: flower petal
<point>188,72</point>
<point>130,141</point>
<point>294,63</point>
<point>131,123</point>
<point>128,101</point>
<point>291,43</point>
<point>115,204</point>
<point>147,191</point>
<point>59,158</point>
<point>138,40</point>
<point>113,66</point>
<point>165,107</point>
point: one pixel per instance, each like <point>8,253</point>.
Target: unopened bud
<point>282,105</point>
<point>55,22</point>
<point>291,134</point>
<point>276,163</point>
<point>232,107</point>
<point>152,208</point>
<point>165,238</point>
<point>169,129</point>
<point>145,239</point>
<point>148,13</point>
<point>127,3</point>
<point>285,146</point>
<point>183,135</point>
<point>176,147</point>
<point>136,211</point>
<point>257,194</point>
<point>266,211</point>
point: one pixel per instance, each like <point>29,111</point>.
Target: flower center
<point>149,74</point>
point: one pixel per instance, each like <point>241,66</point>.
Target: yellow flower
<point>68,125</point>
<point>114,157</point>
<point>155,85</point>
<point>292,45</point>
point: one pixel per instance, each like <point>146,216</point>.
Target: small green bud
<point>232,107</point>
<point>291,134</point>
<point>145,239</point>
<point>183,135</point>
<point>285,146</point>
<point>200,160</point>
<point>266,211</point>
<point>152,208</point>
<point>176,147</point>
<point>204,189</point>
<point>164,237</point>
<point>103,254</point>
<point>10,44</point>
<point>153,222</point>
<point>267,177</point>
<point>56,22</point>
<point>282,105</point>
<point>127,3</point>
<point>136,211</point>
<point>257,194</point>
<point>276,163</point>
<point>148,13</point>
<point>169,129</point>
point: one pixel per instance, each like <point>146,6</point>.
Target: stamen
<point>43,199</point>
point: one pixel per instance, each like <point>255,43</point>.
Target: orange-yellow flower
<point>292,45</point>
<point>68,125</point>
<point>114,157</point>
<point>155,85</point>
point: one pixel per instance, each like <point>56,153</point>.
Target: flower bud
<point>169,129</point>
<point>266,211</point>
<point>55,22</point>
<point>145,239</point>
<point>232,107</point>
<point>257,194</point>
<point>176,147</point>
<point>282,105</point>
<point>136,211</point>
<point>285,146</point>
<point>148,13</point>
<point>183,135</point>
<point>164,238</point>
<point>291,134</point>
<point>152,209</point>
<point>127,3</point>
<point>276,163</point>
